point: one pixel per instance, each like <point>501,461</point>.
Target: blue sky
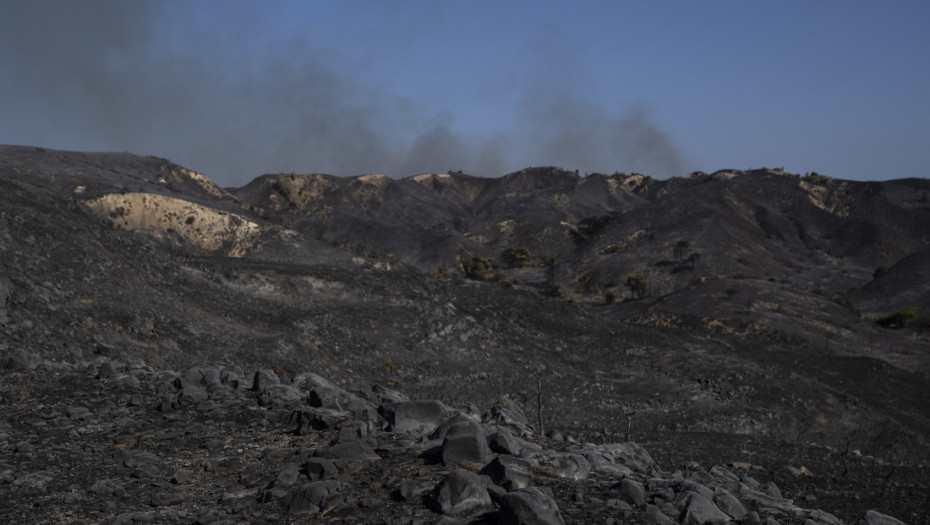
<point>237,89</point>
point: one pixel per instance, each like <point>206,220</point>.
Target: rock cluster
<point>113,442</point>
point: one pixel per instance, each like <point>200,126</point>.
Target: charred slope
<point>75,288</point>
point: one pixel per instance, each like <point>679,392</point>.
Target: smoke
<point>104,75</point>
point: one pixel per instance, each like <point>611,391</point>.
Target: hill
<point>761,350</point>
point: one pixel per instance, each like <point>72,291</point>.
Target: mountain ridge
<point>453,291</point>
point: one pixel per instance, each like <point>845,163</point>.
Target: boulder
<point>308,381</point>
<point>872,517</point>
<point>730,504</point>
<point>466,444</point>
<point>632,455</point>
<point>338,399</point>
<point>529,506</point>
<point>410,489</point>
<point>699,510</point>
<point>561,464</point>
<point>509,472</point>
<point>308,420</point>
<point>460,491</point>
<point>288,476</point>
<point>654,516</point>
<point>308,499</point>
<point>352,452</point>
<point>504,442</point>
<point>507,412</point>
<point>321,468</point>
<point>22,360</point>
<point>422,415</point>
<point>263,379</point>
<point>279,395</point>
<point>631,491</point>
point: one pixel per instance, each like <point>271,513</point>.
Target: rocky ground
<point>130,349</point>
<point>110,442</point>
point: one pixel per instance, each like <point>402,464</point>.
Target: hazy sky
<point>237,89</point>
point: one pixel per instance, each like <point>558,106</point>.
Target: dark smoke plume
<point>85,75</point>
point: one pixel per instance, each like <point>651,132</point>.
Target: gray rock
<point>504,442</point>
<point>308,381</point>
<point>34,480</point>
<point>694,486</point>
<point>232,379</point>
<point>355,430</point>
<point>422,415</point>
<point>465,444</point>
<point>653,515</point>
<point>338,399</point>
<point>770,521</point>
<point>730,504</point>
<point>509,472</point>
<point>460,491</point>
<point>107,370</point>
<point>263,379</point>
<point>280,396</point>
<point>699,510</point>
<point>561,465</point>
<point>410,489</point>
<point>386,395</point>
<point>308,499</point>
<point>631,491</point>
<point>352,452</point>
<point>308,419</point>
<point>771,489</point>
<point>529,506</point>
<point>288,476</point>
<point>21,360</point>
<point>165,498</point>
<point>507,412</point>
<point>181,476</point>
<point>631,455</point>
<point>872,517</point>
<point>321,468</point>
<point>191,395</point>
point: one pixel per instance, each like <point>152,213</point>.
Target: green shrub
<point>900,318</point>
<point>637,286</point>
<point>475,267</point>
<point>517,257</point>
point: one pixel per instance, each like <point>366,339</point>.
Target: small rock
<point>181,476</point>
<point>410,489</point>
<point>161,499</point>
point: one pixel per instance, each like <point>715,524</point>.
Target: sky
<point>235,89</point>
